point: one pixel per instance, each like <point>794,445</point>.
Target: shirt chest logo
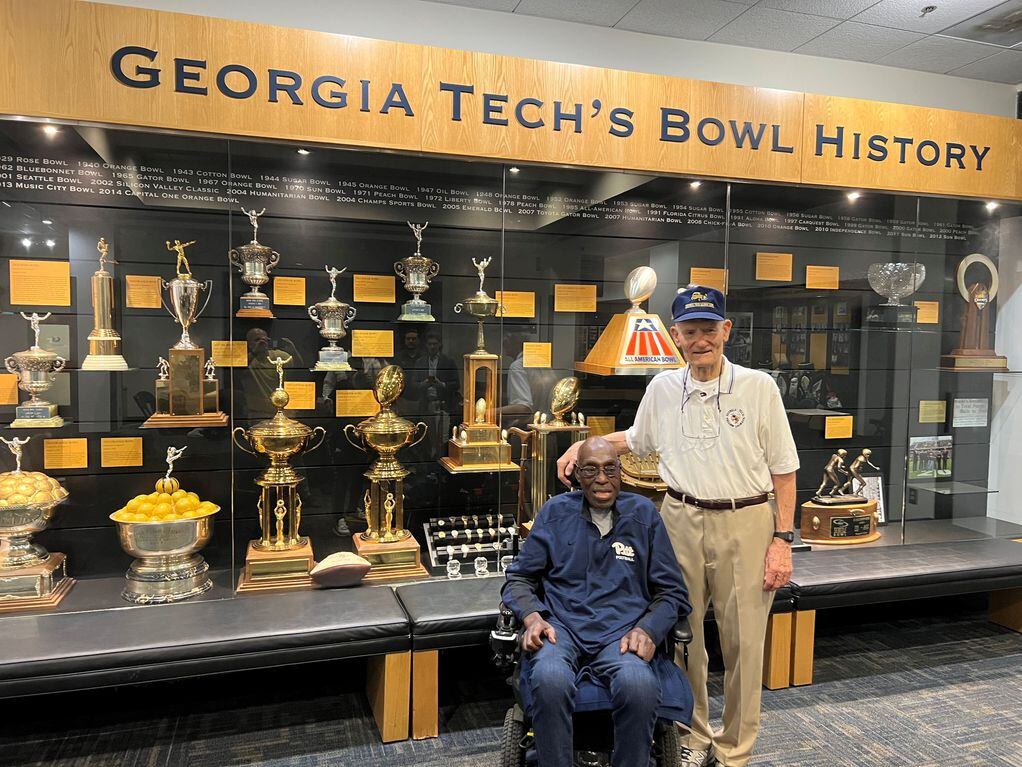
<point>623,551</point>
<point>735,417</point>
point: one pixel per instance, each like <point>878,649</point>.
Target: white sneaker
<point>690,758</point>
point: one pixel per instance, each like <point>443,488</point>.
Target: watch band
<point>788,536</point>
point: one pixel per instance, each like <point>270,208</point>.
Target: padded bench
<point>856,576</point>
<point>61,651</point>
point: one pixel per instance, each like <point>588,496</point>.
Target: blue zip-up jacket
<point>598,588</point>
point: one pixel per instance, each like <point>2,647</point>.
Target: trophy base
<point>277,570</point>
<point>38,423</point>
<point>397,561</point>
<point>839,524</point>
<point>37,587</point>
<point>420,311</point>
<point>167,421</point>
<point>104,362</point>
<point>972,359</point>
<point>340,367</point>
<point>332,358</point>
<point>254,314</point>
<point>254,304</point>
<point>891,315</point>
<point>155,583</point>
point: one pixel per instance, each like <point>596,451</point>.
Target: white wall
<point>452,26</point>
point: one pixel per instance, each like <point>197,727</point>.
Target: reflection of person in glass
<point>261,380</point>
<point>437,385</point>
<point>524,386</point>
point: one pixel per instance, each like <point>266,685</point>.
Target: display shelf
<point>951,488</point>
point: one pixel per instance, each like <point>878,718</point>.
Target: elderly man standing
<point>724,444</point>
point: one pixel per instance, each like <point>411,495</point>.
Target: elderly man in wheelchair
<point>597,594</point>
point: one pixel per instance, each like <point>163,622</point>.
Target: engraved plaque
<point>186,368</point>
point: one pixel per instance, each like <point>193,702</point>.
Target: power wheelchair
<point>592,726</point>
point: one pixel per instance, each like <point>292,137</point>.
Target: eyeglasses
<point>610,471</point>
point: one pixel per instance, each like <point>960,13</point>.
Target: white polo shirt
<point>715,444</point>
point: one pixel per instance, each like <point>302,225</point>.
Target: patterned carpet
<point>915,689</point>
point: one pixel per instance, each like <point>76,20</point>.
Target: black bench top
<point>50,652</point>
<point>857,576</point>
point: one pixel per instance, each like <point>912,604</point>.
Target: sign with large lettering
<point>130,66</point>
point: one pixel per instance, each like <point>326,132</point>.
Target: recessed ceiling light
<point>853,196</point>
<point>27,242</point>
<point>992,206</point>
<point>696,184</point>
<point>50,243</point>
<point>47,221</point>
<point>304,152</point>
<point>514,169</point>
<point>51,130</point>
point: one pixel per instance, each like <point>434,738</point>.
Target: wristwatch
<point>786,536</point>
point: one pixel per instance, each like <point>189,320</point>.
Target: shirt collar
<point>588,513</point>
<point>726,380</point>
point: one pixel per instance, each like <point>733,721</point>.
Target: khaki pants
<point>722,554</point>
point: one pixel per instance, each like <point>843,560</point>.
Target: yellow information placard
<point>537,354</point>
<point>45,283</point>
<point>372,343</point>
<point>599,425</point>
<point>822,277</point>
<point>574,298</point>
<point>230,354</point>
<point>120,451</point>
<point>373,288</point>
<point>356,403</point>
<point>8,389</point>
<point>517,303</point>
<point>773,267</point>
<point>142,291</point>
<point>928,312</point>
<point>289,291</point>
<point>838,427</point>
<point>302,393</point>
<point>709,277</point>
<point>932,411</point>
<point>66,453</point>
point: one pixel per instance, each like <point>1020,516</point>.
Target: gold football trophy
<point>30,576</point>
<point>36,369</point>
<point>415,272</point>
<point>478,445</point>
<point>974,351</point>
<point>635,342</point>
<point>254,261</point>
<point>835,516</point>
<point>389,547</point>
<point>187,392</point>
<point>281,558</point>
<point>103,339</point>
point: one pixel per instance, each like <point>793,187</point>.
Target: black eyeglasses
<point>591,472</point>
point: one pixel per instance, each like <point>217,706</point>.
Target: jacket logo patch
<point>623,551</point>
<point>735,417</point>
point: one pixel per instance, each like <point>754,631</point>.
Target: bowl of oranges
<point>27,503</point>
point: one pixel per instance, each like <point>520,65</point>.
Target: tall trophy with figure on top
<point>36,369</point>
<point>186,395</point>
<point>332,318</point>
<point>415,272</point>
<point>254,261</point>
<point>103,339</point>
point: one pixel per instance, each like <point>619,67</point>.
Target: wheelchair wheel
<point>666,748</point>
<point>512,754</point>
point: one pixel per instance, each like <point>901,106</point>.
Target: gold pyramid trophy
<point>536,436</point>
<point>281,559</point>
<point>974,351</point>
<point>635,342</point>
<point>389,547</point>
<point>103,339</point>
<point>478,444</point>
<point>254,261</point>
<point>835,516</point>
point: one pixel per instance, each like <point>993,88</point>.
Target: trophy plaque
<point>974,351</point>
<point>894,282</point>
<point>386,543</point>
<point>478,444</point>
<point>254,261</point>
<point>103,339</point>
<point>635,342</point>
<point>187,392</point>
<point>537,437</point>
<point>282,558</point>
<point>836,516</point>
<point>36,369</point>
<point>415,272</point>
<point>332,318</point>
<point>31,578</point>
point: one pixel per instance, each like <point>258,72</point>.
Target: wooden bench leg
<point>425,694</point>
<point>388,685</point>
<point>802,647</point>
<point>1006,608</point>
<point>777,652</point>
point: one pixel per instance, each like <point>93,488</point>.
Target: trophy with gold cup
<point>36,369</point>
<point>103,339</point>
<point>254,261</point>
<point>282,558</point>
<point>332,318</point>
<point>415,272</point>
<point>386,543</point>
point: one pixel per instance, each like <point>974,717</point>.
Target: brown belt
<point>718,504</point>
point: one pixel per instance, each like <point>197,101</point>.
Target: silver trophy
<point>332,317</point>
<point>36,369</point>
<point>254,261</point>
<point>415,272</point>
<point>894,282</point>
<point>182,299</point>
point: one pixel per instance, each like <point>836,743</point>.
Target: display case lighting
<point>26,241</point>
<point>992,206</point>
<point>853,196</point>
<point>47,222</point>
<point>514,169</point>
<point>696,184</point>
<point>51,243</point>
<point>51,130</point>
<point>303,151</point>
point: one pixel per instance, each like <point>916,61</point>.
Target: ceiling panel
<point>761,27</point>
<point>835,9</point>
<point>691,19</point>
<point>486,5</point>
<point>907,14</point>
<point>1003,67</point>
<point>937,54</point>
<point>603,13</point>
<point>858,42</point>
<point>1001,25</point>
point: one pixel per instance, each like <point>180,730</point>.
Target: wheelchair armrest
<point>504,639</point>
<point>682,631</point>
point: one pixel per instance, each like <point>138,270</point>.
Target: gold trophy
<point>391,549</point>
<point>281,558</point>
<point>835,516</point>
<point>416,272</point>
<point>36,369</point>
<point>563,399</point>
<point>478,445</point>
<point>187,391</point>
<point>30,576</point>
<point>103,339</point>
<point>254,261</point>
<point>332,318</point>
<point>974,351</point>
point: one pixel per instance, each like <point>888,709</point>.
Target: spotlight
<point>992,206</point>
<point>27,242</point>
<point>853,196</point>
<point>304,152</point>
<point>514,169</point>
<point>47,222</point>
<point>51,130</point>
<point>50,243</point>
<point>696,184</point>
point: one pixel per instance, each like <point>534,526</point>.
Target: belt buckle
<point>734,506</point>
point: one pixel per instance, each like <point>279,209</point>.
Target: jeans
<point>634,689</point>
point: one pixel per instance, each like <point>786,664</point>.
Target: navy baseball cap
<point>697,302</point>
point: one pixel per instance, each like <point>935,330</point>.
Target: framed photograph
<point>739,346</point>
<point>874,491</point>
<point>922,457</point>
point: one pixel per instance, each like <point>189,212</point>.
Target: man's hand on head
<point>638,642</point>
<point>536,629</point>
<point>566,463</point>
